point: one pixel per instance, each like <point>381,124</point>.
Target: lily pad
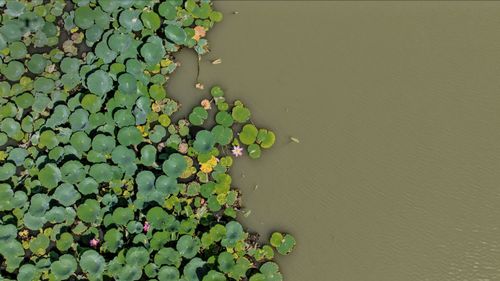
<point>99,83</point>
<point>92,263</point>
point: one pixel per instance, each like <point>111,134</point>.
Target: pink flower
<point>237,150</point>
<point>146,227</point>
<point>94,242</point>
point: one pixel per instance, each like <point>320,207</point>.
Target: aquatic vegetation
<point>96,180</point>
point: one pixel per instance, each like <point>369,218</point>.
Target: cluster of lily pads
<point>96,181</point>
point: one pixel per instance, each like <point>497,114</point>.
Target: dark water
<point>397,109</point>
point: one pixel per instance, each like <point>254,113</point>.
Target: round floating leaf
<point>91,102</point>
<point>240,114</point>
<point>152,52</point>
<point>234,233</point>
<point>84,17</point>
<point>101,172</point>
<point>127,84</point>
<point>168,256</point>
<point>7,232</point>
<point>124,118</point>
<point>138,256</point>
<point>89,211</point>
<point>223,118</point>
<point>148,155</point>
<point>204,141</point>
<point>214,276</point>
<point>119,42</point>
<point>151,20</point>
<point>103,143</point>
<point>167,10</point>
<point>7,170</point>
<point>122,155</point>
<point>70,65</point>
<point>188,246</point>
<point>266,138</point>
<point>66,194</point>
<point>167,185</point>
<point>248,134</point>
<point>73,172</point>
<point>28,272</point>
<point>88,186</point>
<point>145,181</point>
<point>48,139</point>
<point>13,71</point>
<point>43,85</point>
<point>168,273</point>
<point>193,269</point>
<point>198,116</point>
<point>64,267</point>
<point>50,176</point>
<point>99,83</point>
<point>80,141</point>
<point>159,219</point>
<point>17,50</point>
<point>130,20</point>
<point>283,243</point>
<point>129,136</point>
<point>79,119</point>
<point>175,165</point>
<point>216,92</point>
<point>92,263</point>
<point>121,216</point>
<point>254,151</point>
<point>64,242</point>
<point>113,239</point>
<point>222,135</point>
<point>37,64</point>
<point>176,34</point>
<point>39,244</point>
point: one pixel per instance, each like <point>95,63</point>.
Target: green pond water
<point>397,109</point>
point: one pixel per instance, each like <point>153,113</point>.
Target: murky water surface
<point>397,109</point>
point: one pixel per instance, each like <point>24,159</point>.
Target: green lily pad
<point>248,134</point>
<point>64,242</point>
<point>188,246</point>
<point>92,263</point>
<point>254,151</point>
<point>89,211</point>
<point>127,84</point>
<point>7,170</point>
<point>234,233</point>
<point>214,276</point>
<point>204,141</point>
<point>84,17</point>
<point>37,64</point>
<point>175,165</point>
<point>13,71</point>
<point>240,113</point>
<point>137,256</point>
<point>266,138</point>
<point>66,194</point>
<point>121,216</point>
<point>284,244</point>
<point>50,176</point>
<point>176,34</point>
<point>168,256</point>
<point>99,83</point>
<point>129,136</point>
<point>39,244</point>
<point>130,19</point>
<point>64,267</point>
<point>113,239</point>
